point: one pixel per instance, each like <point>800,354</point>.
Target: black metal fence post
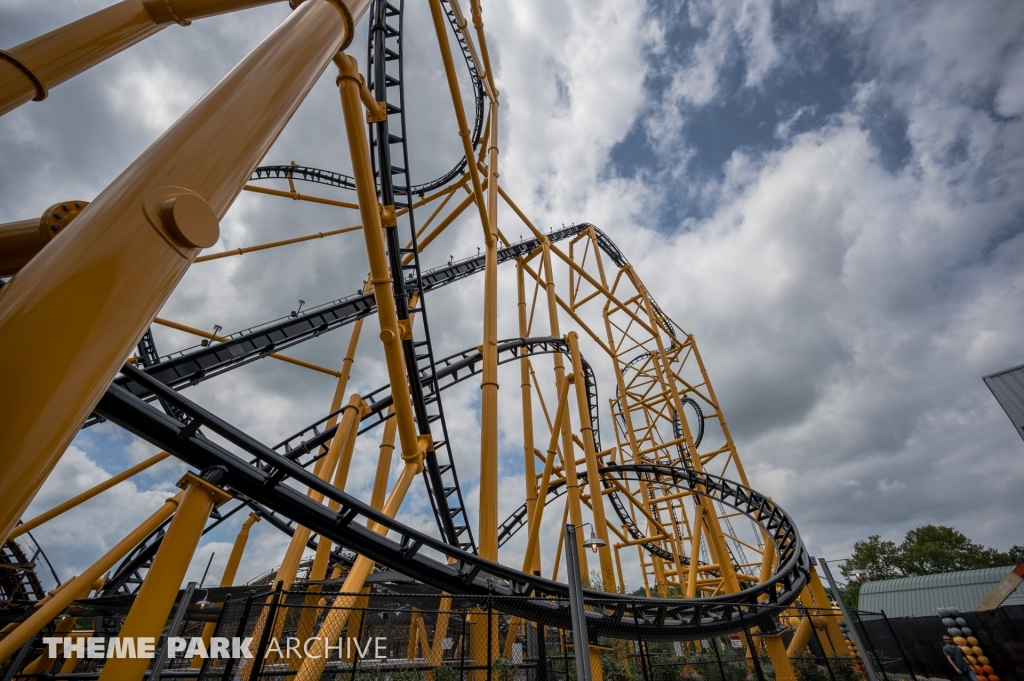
<point>490,636</point>
<point>208,662</point>
<point>268,628</point>
<point>463,645</point>
<point>718,657</point>
<point>899,645</point>
<point>230,665</point>
<point>542,663</point>
<point>824,654</point>
<point>871,646</point>
<point>754,651</point>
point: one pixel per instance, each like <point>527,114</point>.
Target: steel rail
<point>458,571</point>
<point>334,179</point>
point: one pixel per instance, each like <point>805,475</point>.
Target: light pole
<point>581,641</point>
<point>849,622</point>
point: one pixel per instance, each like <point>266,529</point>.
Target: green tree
<point>877,559</point>
<point>1016,554</point>
<point>931,549</point>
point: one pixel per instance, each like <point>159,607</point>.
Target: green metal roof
<point>924,595</point>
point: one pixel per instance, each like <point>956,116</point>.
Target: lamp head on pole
<point>594,543</point>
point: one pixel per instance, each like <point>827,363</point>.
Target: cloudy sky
<point>828,195</point>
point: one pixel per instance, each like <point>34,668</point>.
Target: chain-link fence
<point>312,635</point>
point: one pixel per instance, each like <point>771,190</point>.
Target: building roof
<point>923,595</point>
<point>1008,387</point>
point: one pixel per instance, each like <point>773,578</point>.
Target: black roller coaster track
<point>388,149</point>
<point>194,365</point>
<point>391,52</point>
<point>454,570</point>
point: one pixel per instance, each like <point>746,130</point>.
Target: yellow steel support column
<point>533,538</point>
<point>153,602</point>
<point>695,530</point>
<point>86,495</point>
<point>528,446</point>
<point>826,616</point>
<point>85,300</point>
<point>346,370</point>
<point>44,662</point>
<point>779,658</point>
<point>488,532</point>
<point>349,84</point>
<point>593,477</point>
<point>231,568</point>
<point>30,70</point>
<point>20,241</point>
<point>441,29</point>
<point>569,459</point>
<point>387,450</point>
<point>80,586</point>
<point>228,578</point>
<point>487,535</point>
<point>413,447</point>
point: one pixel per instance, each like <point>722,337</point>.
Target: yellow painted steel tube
<point>274,244</point>
<point>296,196</point>
<point>524,379</point>
<point>231,568</point>
<point>79,586</point>
<point>380,276</point>
<point>346,370</point>
<point>572,497</point>
<point>488,527</point>
<point>43,663</point>
<point>779,658</point>
<point>593,477</point>
<point>228,578</point>
<point>86,299</point>
<point>441,29</point>
<point>533,539</point>
<point>827,617</point>
<point>20,241</point>
<point>387,450</point>
<point>30,70</point>
<point>32,524</point>
<point>152,605</point>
